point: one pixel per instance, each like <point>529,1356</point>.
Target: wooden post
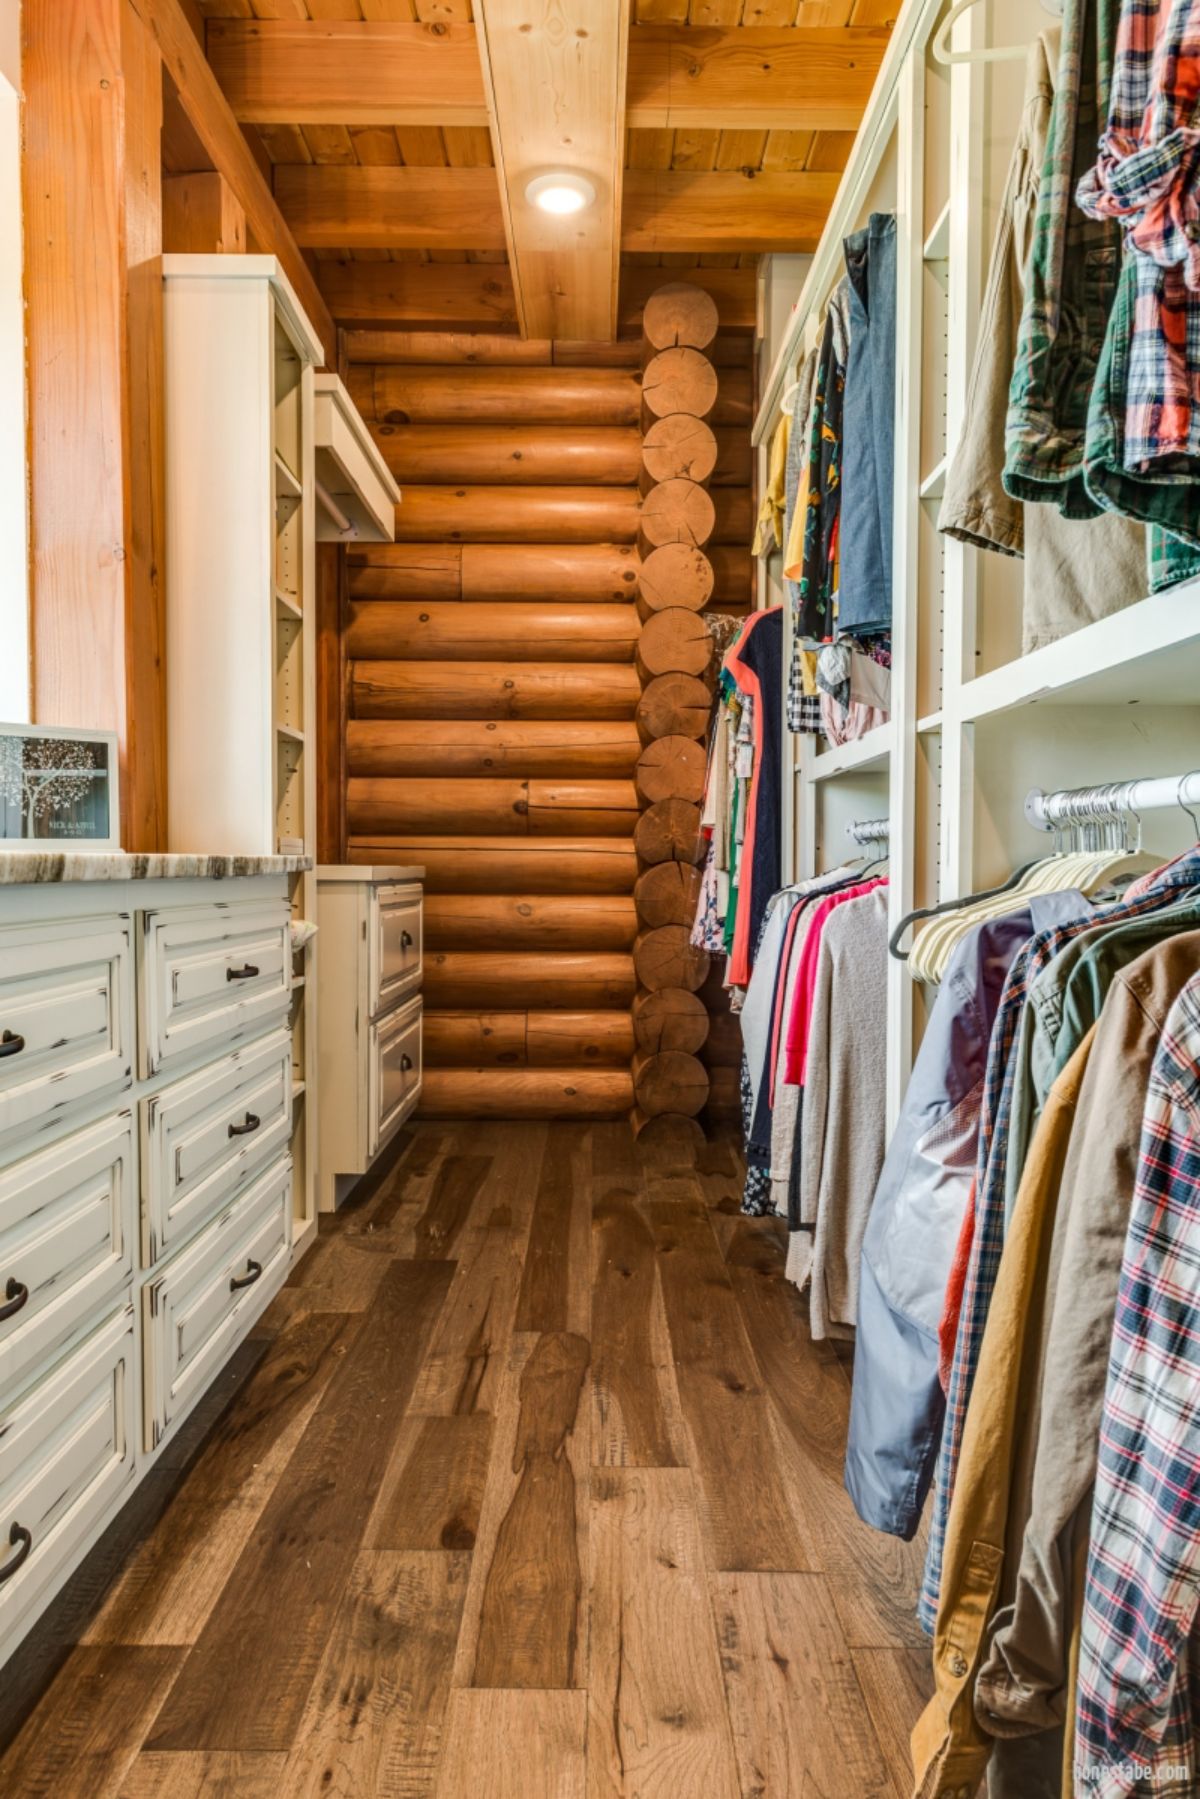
<point>201,213</point>
<point>93,289</point>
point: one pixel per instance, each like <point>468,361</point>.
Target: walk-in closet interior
<point>600,899</point>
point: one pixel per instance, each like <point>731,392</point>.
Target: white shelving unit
<point>975,723</point>
<point>240,356</point>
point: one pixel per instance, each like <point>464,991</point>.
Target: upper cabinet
<point>356,495</point>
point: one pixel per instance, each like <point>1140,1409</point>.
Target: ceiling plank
<point>319,72</point>
<point>286,72</point>
<point>212,120</point>
<point>465,297</point>
<point>664,210</point>
<point>555,76</point>
<point>751,78</point>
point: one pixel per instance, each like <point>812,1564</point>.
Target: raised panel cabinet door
<point>67,1226</point>
<point>66,1020</point>
<point>204,1137</point>
<point>394,945</point>
<point>211,976</point>
<point>394,1073</point>
<point>67,1456</point>
<point>204,1300</point>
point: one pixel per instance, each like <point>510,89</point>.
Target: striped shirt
<point>1136,1714</point>
<point>990,1177</point>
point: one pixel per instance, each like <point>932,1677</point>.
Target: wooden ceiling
<point>380,120</point>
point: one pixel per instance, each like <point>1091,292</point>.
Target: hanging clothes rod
<point>869,830</point>
<point>1119,799</point>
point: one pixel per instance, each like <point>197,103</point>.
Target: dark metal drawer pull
<point>246,973</point>
<point>405,1064</point>
<point>246,1280</point>
<point>16,1293</point>
<point>406,941</point>
<point>11,1043</point>
<point>243,1130</point>
<point>17,1535</point>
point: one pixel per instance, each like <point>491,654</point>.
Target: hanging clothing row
<point>1036,1228</point>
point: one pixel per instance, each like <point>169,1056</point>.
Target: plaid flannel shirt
<point>1136,1717</point>
<point>1144,424</point>
<point>990,1175</point>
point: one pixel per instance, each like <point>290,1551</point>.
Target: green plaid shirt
<point>1072,280</point>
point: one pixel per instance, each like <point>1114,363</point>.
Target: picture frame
<point>59,789</point>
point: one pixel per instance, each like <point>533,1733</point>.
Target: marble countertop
<point>38,867</point>
<point>346,871</point>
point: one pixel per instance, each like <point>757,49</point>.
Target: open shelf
<point>288,604</point>
<point>298,1087</point>
<point>929,724</point>
<point>1148,654</point>
<point>870,751</point>
<point>287,485</point>
<point>934,484</point>
<point>291,733</point>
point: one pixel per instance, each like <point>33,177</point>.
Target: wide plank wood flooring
<point>528,1484</point>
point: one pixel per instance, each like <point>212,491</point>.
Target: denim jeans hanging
<point>868,431</point>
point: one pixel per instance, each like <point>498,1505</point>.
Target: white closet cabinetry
<point>975,723</point>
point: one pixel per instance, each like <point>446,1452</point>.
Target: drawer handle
<point>11,1043</point>
<point>406,940</point>
<point>246,1280</point>
<point>17,1535</point>
<point>243,1130</point>
<point>16,1293</point>
<point>247,972</point>
<point>406,1063</point>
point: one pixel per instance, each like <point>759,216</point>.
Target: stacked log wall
<point>497,690</point>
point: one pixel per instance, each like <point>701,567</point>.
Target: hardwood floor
<point>529,1484</point>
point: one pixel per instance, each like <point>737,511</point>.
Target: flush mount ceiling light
<point>560,192</point>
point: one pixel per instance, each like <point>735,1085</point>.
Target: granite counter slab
<point>40,867</point>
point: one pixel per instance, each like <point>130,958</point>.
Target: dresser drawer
<point>212,975</point>
<point>203,1137</point>
<point>205,1298</point>
<point>66,1456</point>
<point>393,1072</point>
<point>66,1019</point>
<point>66,1242</point>
<point>393,945</point>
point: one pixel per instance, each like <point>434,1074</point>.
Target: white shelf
<point>937,244</point>
<point>287,604</point>
<point>934,484</point>
<point>1149,654</point>
<point>286,483</point>
<point>931,723</point>
<point>870,751</point>
<point>290,733</point>
<point>298,1087</point>
<point>298,980</point>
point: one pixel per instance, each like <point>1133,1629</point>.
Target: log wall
<point>500,692</point>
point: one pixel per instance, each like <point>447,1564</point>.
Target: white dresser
<point>369,1055</point>
<point>146,1181</point>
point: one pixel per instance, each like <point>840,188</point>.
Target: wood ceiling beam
<point>343,207</point>
<point>334,72</point>
<point>470,296</point>
<point>213,122</point>
<point>554,74</point>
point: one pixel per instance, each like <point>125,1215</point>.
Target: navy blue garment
<point>763,653</point>
<point>868,431</point>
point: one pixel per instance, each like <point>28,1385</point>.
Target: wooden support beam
<point>201,213</point>
<point>210,116</point>
<point>504,865</point>
<point>93,291</point>
<point>332,206</point>
<point>340,72</point>
<point>554,75</point>
<point>471,296</point>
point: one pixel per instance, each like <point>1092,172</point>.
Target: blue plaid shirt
<point>990,1174</point>
<point>1139,1682</point>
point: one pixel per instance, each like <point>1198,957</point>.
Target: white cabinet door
<point>66,1020</point>
<point>212,975</point>
<point>393,945</point>
<point>66,1457</point>
<point>394,1072</point>
<point>204,1300</point>
<point>66,1241</point>
<point>204,1136</point>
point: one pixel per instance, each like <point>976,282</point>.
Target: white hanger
<point>1010,53</point>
